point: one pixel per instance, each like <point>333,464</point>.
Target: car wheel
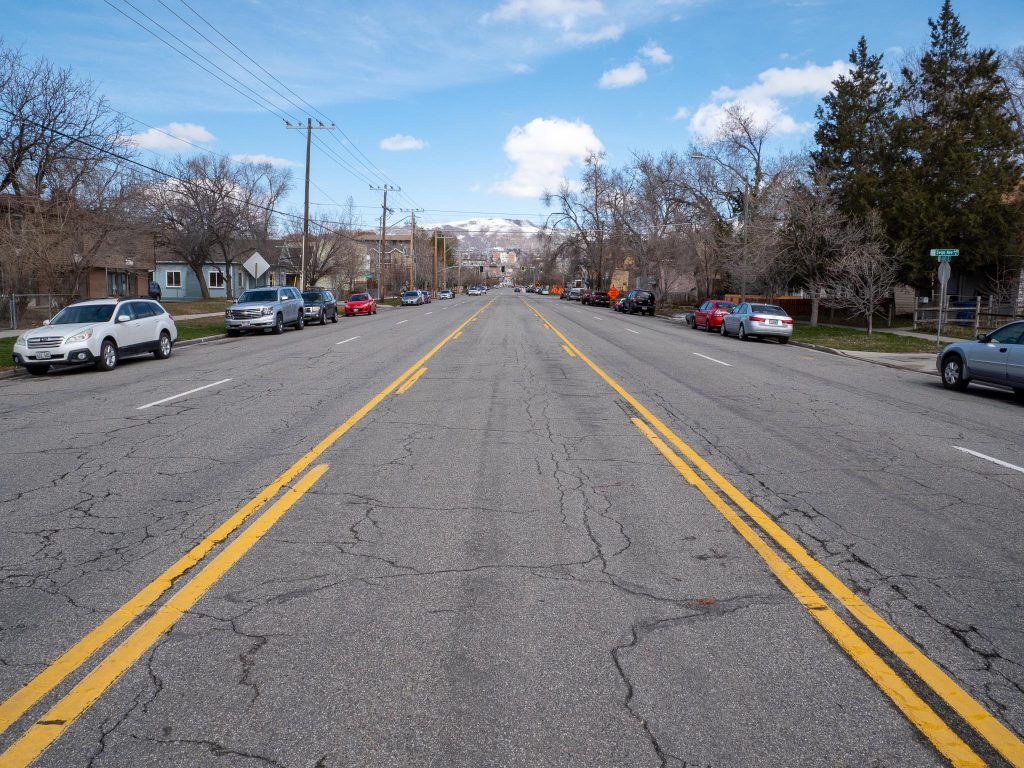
<point>233,332</point>
<point>334,317</point>
<point>953,373</point>
<point>707,325</point>
<point>375,311</point>
<point>37,370</point>
<point>721,329</point>
<point>163,349</point>
<point>301,322</point>
<point>1019,394</point>
<point>743,333</point>
<point>278,328</point>
<point>323,317</point>
<point>783,339</point>
<point>107,360</point>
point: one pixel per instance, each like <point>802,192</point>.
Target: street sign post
<point>944,255</point>
<point>944,270</point>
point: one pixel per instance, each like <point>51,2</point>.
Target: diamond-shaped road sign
<point>256,265</point>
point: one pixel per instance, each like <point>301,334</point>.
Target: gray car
<point>995,358</point>
<point>261,309</point>
<point>754,321</point>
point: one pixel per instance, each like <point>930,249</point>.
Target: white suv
<point>100,331</point>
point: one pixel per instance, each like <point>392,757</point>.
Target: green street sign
<point>944,254</point>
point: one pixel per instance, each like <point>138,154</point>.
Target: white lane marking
<point>1001,463</point>
<point>346,341</point>
<point>427,313</point>
<point>632,331</point>
<point>597,318</point>
<point>698,354</point>
<point>181,394</point>
<point>403,321</point>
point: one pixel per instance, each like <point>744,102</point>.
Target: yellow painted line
<point>33,691</point>
<point>568,351</point>
<point>457,335</point>
<point>59,718</point>
<point>902,695</point>
<point>412,380</point>
<point>1002,739</point>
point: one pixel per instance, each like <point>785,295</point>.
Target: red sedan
<point>360,304</point>
<point>709,314</point>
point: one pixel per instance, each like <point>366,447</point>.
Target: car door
<point>731,319</point>
<point>1015,360</point>
<point>289,306</point>
<point>988,359</point>
<point>131,333</point>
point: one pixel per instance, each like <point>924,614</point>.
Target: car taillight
<point>719,312</point>
<point>787,321</point>
<point>756,319</point>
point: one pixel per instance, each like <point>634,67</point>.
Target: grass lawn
<point>391,302</point>
<point>6,347</point>
<point>195,307</point>
<point>859,341</point>
<point>197,329</point>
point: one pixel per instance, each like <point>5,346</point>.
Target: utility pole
<point>412,246</point>
<point>383,236</point>
<point>305,218</point>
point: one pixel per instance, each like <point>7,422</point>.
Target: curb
<point>841,353</point>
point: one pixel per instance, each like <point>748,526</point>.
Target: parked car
<point>995,358</point>
<point>319,305</point>
<point>412,299</point>
<point>154,290</point>
<point>262,309</point>
<point>98,331</point>
<point>426,297</point>
<point>754,321</point>
<point>447,293</point>
<point>640,301</point>
<point>708,315</point>
<point>475,290</point>
<point>360,304</point>
<point>574,294</point>
<point>545,291</point>
<point>688,319</point>
<point>517,289</point>
<point>619,303</point>
<point>595,299</point>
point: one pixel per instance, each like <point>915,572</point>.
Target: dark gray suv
<point>261,309</point>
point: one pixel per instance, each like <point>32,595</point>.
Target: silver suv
<point>100,331</point>
<point>260,309</point>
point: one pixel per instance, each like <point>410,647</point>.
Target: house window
<point>216,279</point>
<point>174,279</point>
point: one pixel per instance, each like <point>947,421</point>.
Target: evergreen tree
<point>965,150</point>
<point>855,136</point>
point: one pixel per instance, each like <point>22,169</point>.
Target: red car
<point>709,314</point>
<point>360,304</point>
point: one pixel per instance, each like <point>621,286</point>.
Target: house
<point>273,263</point>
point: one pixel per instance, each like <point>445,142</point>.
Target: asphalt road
<point>577,538</point>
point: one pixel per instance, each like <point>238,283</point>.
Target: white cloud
<point>400,142</point>
<point>681,114</point>
<point>520,69</point>
<point>173,137</point>
<point>763,99</point>
<point>609,32</point>
<point>620,77</point>
<point>562,13</point>
<point>655,54</point>
<point>542,150</point>
<point>264,159</point>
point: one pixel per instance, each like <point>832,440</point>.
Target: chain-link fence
<point>28,310</point>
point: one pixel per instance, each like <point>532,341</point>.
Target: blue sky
<point>473,108</point>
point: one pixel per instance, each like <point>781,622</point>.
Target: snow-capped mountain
<point>484,234</point>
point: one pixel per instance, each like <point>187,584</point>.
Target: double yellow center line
<point>917,711</point>
<point>45,730</point>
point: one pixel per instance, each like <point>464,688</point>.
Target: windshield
<point>313,296</point>
<point>265,295</point>
<point>360,297</point>
<point>768,309</point>
<point>95,313</point>
<point>410,294</point>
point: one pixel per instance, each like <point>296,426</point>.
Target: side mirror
<point>46,322</point>
<point>982,337</point>
<point>123,318</point>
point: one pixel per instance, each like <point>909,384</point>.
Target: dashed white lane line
<point>427,313</point>
<point>698,354</point>
<point>403,321</point>
<point>346,341</point>
<point>1000,462</point>
<point>597,318</point>
<point>632,331</point>
<point>181,394</point>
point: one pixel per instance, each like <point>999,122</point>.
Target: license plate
<point>773,322</point>
<point>42,355</point>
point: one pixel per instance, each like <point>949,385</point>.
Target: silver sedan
<point>995,358</point>
<point>753,321</point>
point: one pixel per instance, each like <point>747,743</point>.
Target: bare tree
<point>863,278</point>
<point>333,253</point>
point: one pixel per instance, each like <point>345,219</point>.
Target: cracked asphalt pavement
<point>498,568</point>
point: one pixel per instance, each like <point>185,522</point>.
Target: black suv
<point>638,301</point>
<point>319,306</point>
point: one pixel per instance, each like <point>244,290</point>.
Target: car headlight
<point>266,310</point>
<point>83,336</point>
<point>20,341</point>
<point>227,312</point>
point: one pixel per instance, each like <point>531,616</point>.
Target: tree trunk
<point>814,308</point>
